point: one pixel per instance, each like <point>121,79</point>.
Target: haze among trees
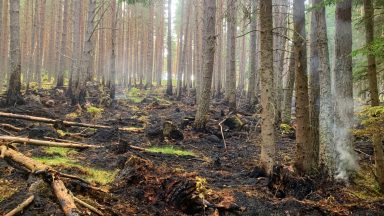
<point>191,107</point>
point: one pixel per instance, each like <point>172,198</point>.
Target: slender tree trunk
<point>150,46</point>
<point>314,88</point>
<point>112,79</point>
<point>40,41</point>
<point>209,42</point>
<point>372,78</point>
<point>251,94</point>
<point>2,74</point>
<point>288,89</point>
<point>14,88</point>
<point>86,57</point>
<point>304,149</point>
<point>6,39</point>
<point>231,55</point>
<point>326,144</point>
<point>219,54</point>
<point>169,49</point>
<point>60,75</point>
<point>344,90</point>
<point>268,148</point>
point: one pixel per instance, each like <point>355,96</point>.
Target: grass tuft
<point>59,151</point>
<point>100,176</point>
<point>170,150</point>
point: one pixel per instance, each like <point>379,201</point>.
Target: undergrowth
<point>170,150</point>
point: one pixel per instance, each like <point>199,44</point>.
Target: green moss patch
<point>170,150</point>
<point>100,176</point>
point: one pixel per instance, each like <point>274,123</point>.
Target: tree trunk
<point>372,77</point>
<point>288,89</point>
<point>251,94</point>
<point>40,41</point>
<point>346,161</point>
<point>60,75</point>
<point>86,57</point>
<point>169,49</point>
<point>231,55</point>
<point>314,88</point>
<point>14,88</point>
<point>112,65</point>
<point>268,148</point>
<point>150,45</point>
<point>304,149</point>
<point>2,75</point>
<point>326,144</point>
<point>209,42</point>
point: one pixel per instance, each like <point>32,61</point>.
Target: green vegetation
<point>72,115</point>
<point>366,186</point>
<point>100,176</point>
<point>373,120</point>
<point>170,150</point>
<point>286,128</point>
<point>95,112</point>
<point>135,95</point>
<point>59,151</point>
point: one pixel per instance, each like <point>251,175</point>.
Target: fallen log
<point>66,123</point>
<point>21,206</point>
<point>46,143</point>
<point>63,195</point>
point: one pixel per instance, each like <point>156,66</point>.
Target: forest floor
<point>143,182</point>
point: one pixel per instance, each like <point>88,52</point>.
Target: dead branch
<point>64,197</point>
<point>10,127</point>
<point>46,143</point>
<point>21,206</point>
<point>221,129</point>
<point>86,205</point>
<point>66,123</point>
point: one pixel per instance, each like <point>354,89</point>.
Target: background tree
<point>14,88</point>
<point>209,42</point>
<point>169,50</point>
<point>268,148</point>
<point>344,89</point>
<point>304,155</point>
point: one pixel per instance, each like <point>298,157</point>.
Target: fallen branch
<point>221,129</point>
<point>10,127</point>
<point>66,123</point>
<point>86,205</point>
<point>46,143</point>
<point>21,206</point>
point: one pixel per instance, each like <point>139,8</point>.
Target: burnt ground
<point>144,182</point>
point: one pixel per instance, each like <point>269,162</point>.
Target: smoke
<point>346,160</point>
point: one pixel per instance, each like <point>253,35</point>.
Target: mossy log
<point>66,123</point>
<point>46,143</point>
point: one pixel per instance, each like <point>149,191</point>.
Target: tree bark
<point>346,161</point>
<point>372,78</point>
<point>231,55</point>
<point>304,150</point>
<point>209,42</point>
<point>288,89</point>
<point>326,144</point>
<point>314,87</point>
<point>169,49</point>
<point>268,148</point>
<point>251,94</point>
<point>14,88</point>
<point>112,79</point>
<point>60,75</point>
